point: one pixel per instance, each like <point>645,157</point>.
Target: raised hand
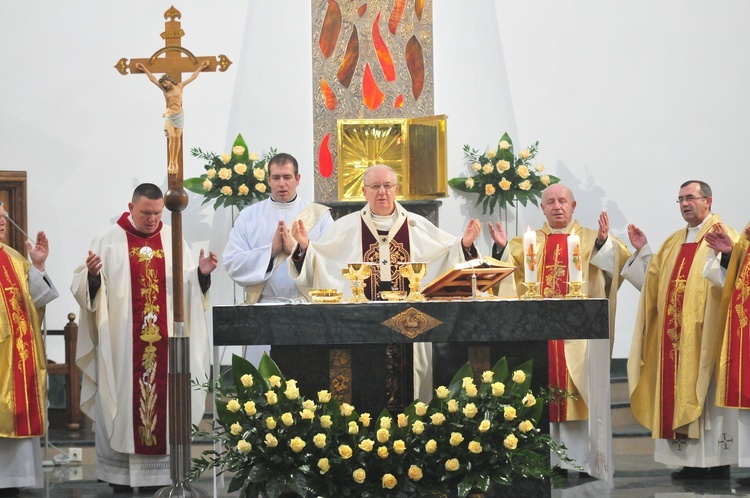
<point>299,232</point>
<point>39,251</point>
<point>637,237</point>
<point>93,263</point>
<point>471,233</point>
<point>207,264</point>
<point>719,241</point>
<point>497,232</point>
<point>603,233</point>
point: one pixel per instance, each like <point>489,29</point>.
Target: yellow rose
<point>307,414</point>
<point>525,185</point>
<point>442,392</point>
<point>470,410</point>
<point>240,168</point>
<point>456,438</point>
<point>325,421</point>
<point>385,422</point>
<point>519,376</point>
<point>287,419</point>
<point>323,465</point>
<point>309,404</point>
<point>389,481</point>
<point>250,408</point>
<point>367,445</point>
<point>244,447</point>
<point>399,446</point>
<point>253,156</point>
<point>504,184</point>
<point>359,475</point>
<point>297,444</point>
<point>471,390</point>
<point>545,179</point>
<point>275,381</point>
<point>509,413</point>
<point>539,167</point>
<point>469,183</point>
<point>225,158</point>
<point>525,426</point>
<point>319,440</point>
<point>417,427</point>
<point>271,423</point>
<point>225,173</point>
<point>511,442</point>
<point>235,429</point>
<point>475,447</point>
<point>466,381</point>
<point>431,446</point>
<point>324,396</point>
<point>524,154</point>
<point>489,189</point>
<point>528,400</point>
<point>420,408</point>
<point>272,398</point>
<point>207,184</point>
<point>259,174</point>
<point>364,419</point>
<point>291,393</point>
<point>487,376</point>
<point>503,166</point>
<point>353,428</point>
<point>490,153</point>
<point>414,473</point>
<point>523,172</point>
<point>345,451</point>
<point>237,150</point>
<point>382,452</point>
<point>504,145</point>
<point>260,187</point>
<point>403,420</point>
<point>271,441</point>
<point>210,173</point>
<point>346,409</point>
<point>383,435</point>
<point>484,426</point>
<point>452,406</point>
<point>476,166</point>
<point>226,190</point>
<point>487,168</point>
<point>291,384</point>
<point>452,465</point>
<point>233,406</point>
<point>498,388</point>
<point>247,380</point>
<point>437,418</point>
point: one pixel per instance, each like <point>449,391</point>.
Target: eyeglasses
<point>386,186</point>
<point>690,198</point>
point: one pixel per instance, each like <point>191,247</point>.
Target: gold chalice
<point>357,273</point>
<point>415,272</point>
<point>393,295</point>
<point>325,296</point>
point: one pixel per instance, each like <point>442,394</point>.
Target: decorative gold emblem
<point>412,323</point>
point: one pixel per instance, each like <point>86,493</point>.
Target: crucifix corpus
<point>176,60</point>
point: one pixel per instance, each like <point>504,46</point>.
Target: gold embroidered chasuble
<point>733,372</point>
<point>697,309</point>
<point>23,381</point>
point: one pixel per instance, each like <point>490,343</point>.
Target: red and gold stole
<point>670,340</point>
<point>27,403</point>
<point>399,249</point>
<point>737,378</point>
<point>148,280</point>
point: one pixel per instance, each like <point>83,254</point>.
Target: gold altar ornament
<point>357,273</point>
<point>325,295</point>
<point>415,272</point>
<point>412,323</point>
<point>532,291</point>
<point>575,291</point>
<point>393,295</point>
<point>416,149</point>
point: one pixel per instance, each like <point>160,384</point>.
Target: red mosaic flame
<point>415,65</point>
<point>325,159</point>
<point>399,101</point>
<point>328,95</point>
<point>362,9</point>
<point>381,49</point>
<point>418,8</point>
<point>371,94</point>
<point>350,59</point>
<point>329,33</point>
<point>396,14</point>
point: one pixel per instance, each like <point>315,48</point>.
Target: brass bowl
<point>393,295</point>
<point>326,295</point>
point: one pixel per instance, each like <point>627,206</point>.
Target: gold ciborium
<point>357,273</point>
<point>415,272</point>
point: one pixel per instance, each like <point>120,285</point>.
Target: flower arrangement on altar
<point>237,178</point>
<point>469,436</point>
<point>501,177</point>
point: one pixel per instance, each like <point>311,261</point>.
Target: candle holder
<point>357,273</point>
<point>415,272</point>
<point>532,291</point>
<point>575,291</point>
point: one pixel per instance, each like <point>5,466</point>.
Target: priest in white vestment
<point>26,289</point>
<point>385,235</point>
<point>677,340</point>
<point>125,292</point>
<point>583,424</point>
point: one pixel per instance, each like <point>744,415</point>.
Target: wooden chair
<point>70,370</point>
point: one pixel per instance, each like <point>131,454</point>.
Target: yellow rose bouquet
<point>236,178</point>
<point>501,177</point>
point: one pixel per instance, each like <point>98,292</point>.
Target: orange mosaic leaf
<point>329,33</point>
<point>418,8</point>
<point>371,94</point>
<point>362,9</point>
<point>328,95</point>
<point>399,101</point>
<point>325,159</point>
<point>415,65</point>
<point>396,14</point>
<point>350,59</point>
<point>381,49</point>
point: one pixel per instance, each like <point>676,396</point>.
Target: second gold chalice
<point>357,273</point>
<point>415,272</point>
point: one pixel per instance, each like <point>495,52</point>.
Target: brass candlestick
<point>357,273</point>
<point>532,291</point>
<point>415,272</point>
<point>575,291</point>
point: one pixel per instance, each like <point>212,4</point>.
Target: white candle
<point>575,268</point>
<point>530,262</point>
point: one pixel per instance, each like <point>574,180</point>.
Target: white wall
<point>626,99</point>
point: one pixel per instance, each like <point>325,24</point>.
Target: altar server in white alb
<point>125,291</point>
<point>25,290</point>
<point>384,234</point>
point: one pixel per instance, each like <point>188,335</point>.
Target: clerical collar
<point>697,228</point>
<point>384,223</point>
<point>565,229</point>
<point>287,202</point>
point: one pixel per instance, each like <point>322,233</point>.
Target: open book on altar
<point>457,283</point>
